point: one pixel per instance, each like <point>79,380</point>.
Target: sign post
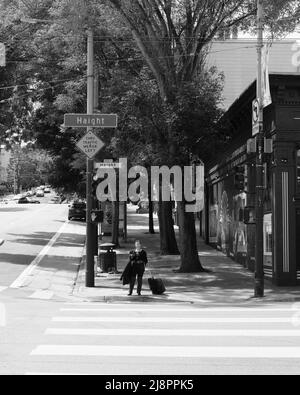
<point>259,207</point>
<point>90,145</point>
<point>90,261</point>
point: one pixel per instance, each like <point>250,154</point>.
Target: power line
<point>103,39</point>
<point>37,91</point>
<point>138,59</point>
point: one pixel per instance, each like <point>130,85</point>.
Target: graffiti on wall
<point>227,228</point>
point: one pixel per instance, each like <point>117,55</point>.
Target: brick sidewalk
<point>229,282</point>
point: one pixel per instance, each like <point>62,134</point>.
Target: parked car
<point>47,190</point>
<point>40,193</point>
<point>56,200</point>
<point>17,198</point>
<point>77,210</point>
<point>27,200</point>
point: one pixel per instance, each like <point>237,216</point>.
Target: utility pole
<point>259,254</point>
<point>90,262</point>
<point>95,202</point>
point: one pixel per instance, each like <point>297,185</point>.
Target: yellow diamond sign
<point>90,145</point>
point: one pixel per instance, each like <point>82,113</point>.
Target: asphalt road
<point>59,338</point>
<point>26,229</point>
<point>63,336</point>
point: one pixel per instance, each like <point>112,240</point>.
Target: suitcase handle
<point>149,270</point>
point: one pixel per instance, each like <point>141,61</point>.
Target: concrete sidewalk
<point>228,283</point>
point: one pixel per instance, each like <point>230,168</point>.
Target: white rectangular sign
<point>95,121</point>
<point>107,165</point>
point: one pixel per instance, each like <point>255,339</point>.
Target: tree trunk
<point>151,220</point>
<point>190,262</point>
<point>115,224</point>
<point>168,242</point>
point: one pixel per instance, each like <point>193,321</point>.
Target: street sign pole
<point>90,263</point>
<point>259,254</point>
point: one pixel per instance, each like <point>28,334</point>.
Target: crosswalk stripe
<point>175,319</point>
<point>132,307</point>
<point>172,332</point>
<point>169,352</point>
<point>164,310</point>
<point>2,289</point>
<point>91,310</point>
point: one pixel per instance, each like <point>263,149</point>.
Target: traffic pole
<point>259,254</point>
<point>90,262</point>
<point>95,201</point>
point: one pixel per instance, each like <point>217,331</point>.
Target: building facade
<point>237,59</point>
<point>231,184</point>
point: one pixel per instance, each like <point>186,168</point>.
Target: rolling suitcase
<point>157,286</point>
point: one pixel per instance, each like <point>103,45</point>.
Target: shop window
<point>268,239</point>
<point>213,192</point>
<point>298,171</point>
<point>268,242</point>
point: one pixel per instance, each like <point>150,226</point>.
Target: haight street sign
<point>90,145</point>
<point>93,121</point>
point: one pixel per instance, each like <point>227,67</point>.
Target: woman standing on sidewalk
<point>138,261</point>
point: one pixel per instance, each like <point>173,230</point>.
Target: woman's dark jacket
<point>132,267</point>
<point>127,274</point>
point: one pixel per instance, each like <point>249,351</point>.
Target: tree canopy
<point>173,35</point>
<point>150,57</point>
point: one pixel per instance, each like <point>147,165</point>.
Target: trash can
<point>108,258</point>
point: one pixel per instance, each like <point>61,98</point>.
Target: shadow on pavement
<point>16,259</point>
<point>43,238</point>
<point>12,209</point>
